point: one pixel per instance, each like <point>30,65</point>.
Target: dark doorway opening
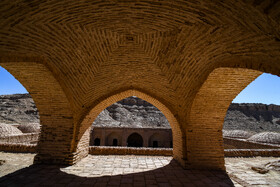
<point>155,143</point>
<point>115,142</point>
<point>97,141</point>
<point>135,140</point>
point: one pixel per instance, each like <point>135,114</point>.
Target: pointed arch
<point>56,116</point>
<point>208,110</point>
<point>82,141</point>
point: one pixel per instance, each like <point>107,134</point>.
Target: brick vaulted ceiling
<point>166,48</point>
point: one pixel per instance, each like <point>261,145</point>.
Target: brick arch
<point>56,116</point>
<point>263,63</point>
<point>83,134</point>
<point>208,110</point>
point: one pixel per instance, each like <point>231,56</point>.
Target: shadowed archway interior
<point>135,140</point>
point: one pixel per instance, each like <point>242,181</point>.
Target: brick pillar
<point>145,140</point>
<point>56,116</point>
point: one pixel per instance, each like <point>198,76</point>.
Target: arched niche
<point>208,110</point>
<point>113,139</point>
<point>134,140</point>
<point>96,142</point>
<point>19,115</point>
<point>56,116</point>
<point>82,140</point>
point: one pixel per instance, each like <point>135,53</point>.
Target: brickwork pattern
<point>56,115</point>
<point>108,150</point>
<point>252,152</point>
<point>113,170</point>
<point>23,138</point>
<point>230,143</point>
<point>83,138</point>
<point>118,170</point>
<point>204,131</point>
<point>76,57</point>
<point>93,150</point>
<point>18,148</point>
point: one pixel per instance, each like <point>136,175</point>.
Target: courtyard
<point>130,170</point>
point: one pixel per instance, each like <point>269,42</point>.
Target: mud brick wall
<point>252,152</point>
<point>18,148</point>
<point>230,143</point>
<point>106,150</point>
<point>23,138</point>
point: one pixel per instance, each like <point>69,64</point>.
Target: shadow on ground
<point>169,175</point>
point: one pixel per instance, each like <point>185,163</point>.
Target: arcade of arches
<point>115,136</point>
<point>187,58</point>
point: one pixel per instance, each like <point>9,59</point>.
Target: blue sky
<point>265,89</point>
<point>8,84</point>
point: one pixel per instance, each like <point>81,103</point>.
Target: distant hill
<point>18,109</point>
<point>134,112</point>
<point>253,117</point>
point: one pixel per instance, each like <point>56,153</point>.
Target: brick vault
<point>187,58</point>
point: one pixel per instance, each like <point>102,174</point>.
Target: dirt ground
<point>241,173</point>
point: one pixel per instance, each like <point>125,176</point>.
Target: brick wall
<point>252,152</point>
<point>18,148</point>
<point>230,143</point>
<point>106,150</point>
<point>23,138</point>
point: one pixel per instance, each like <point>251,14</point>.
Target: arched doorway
<point>135,140</point>
<point>52,104</point>
<point>115,142</point>
<point>155,143</point>
<point>220,93</point>
<point>96,142</point>
<point>84,133</point>
<point>19,114</point>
